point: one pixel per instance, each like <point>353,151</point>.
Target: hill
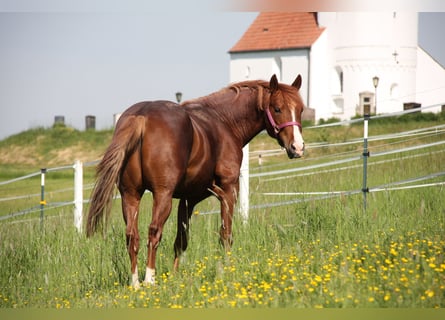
<point>46,147</point>
<point>61,145</point>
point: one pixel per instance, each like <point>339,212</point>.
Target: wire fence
<point>324,165</point>
<point>42,205</point>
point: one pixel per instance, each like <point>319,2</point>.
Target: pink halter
<point>278,128</point>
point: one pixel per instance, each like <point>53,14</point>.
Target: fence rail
<point>79,187</point>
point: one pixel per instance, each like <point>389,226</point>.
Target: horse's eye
<point>277,109</point>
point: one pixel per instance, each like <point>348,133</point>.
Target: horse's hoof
<point>136,285</point>
<point>148,284</point>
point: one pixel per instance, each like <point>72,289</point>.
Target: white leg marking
<point>149,276</point>
<point>135,279</point>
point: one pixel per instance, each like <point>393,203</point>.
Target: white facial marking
<point>298,138</point>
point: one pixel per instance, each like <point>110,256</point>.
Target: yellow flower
<point>429,293</point>
<point>393,252</point>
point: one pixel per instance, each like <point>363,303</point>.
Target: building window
<point>394,91</point>
<point>247,72</point>
<point>277,67</point>
<point>341,81</point>
<point>337,81</point>
<point>337,90</point>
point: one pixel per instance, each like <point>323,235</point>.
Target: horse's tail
<point>126,138</point>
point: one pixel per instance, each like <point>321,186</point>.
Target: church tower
<point>360,46</point>
<point>340,55</point>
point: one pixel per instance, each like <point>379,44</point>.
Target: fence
<point>78,188</point>
<point>322,167</point>
<point>244,178</point>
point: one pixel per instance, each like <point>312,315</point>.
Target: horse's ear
<point>297,82</point>
<point>273,83</point>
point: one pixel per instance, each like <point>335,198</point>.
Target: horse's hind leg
<point>162,205</point>
<point>185,210</point>
<point>227,197</point>
<point>130,210</point>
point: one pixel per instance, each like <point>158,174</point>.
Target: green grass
<point>310,254</point>
<point>316,254</point>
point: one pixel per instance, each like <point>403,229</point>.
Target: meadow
<point>304,251</point>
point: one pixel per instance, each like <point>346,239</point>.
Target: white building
<point>338,54</point>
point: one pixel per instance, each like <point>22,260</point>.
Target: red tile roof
<point>280,30</point>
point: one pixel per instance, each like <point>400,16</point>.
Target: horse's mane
<point>248,84</point>
<point>258,85</point>
<point>228,90</point>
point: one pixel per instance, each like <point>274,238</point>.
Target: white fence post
<point>244,185</point>
<point>78,195</point>
<point>42,194</point>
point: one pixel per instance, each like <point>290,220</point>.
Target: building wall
<point>368,44</point>
<point>340,65</point>
<point>286,64</point>
<point>430,81</point>
<point>320,88</point>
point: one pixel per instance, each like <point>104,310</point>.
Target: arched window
<point>247,72</point>
<point>340,75</point>
<point>394,91</point>
<point>276,68</point>
<point>337,81</point>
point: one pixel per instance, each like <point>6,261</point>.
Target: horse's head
<point>283,116</point>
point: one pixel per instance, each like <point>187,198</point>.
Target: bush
<point>330,120</point>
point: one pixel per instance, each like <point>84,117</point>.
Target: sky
<point>87,58</point>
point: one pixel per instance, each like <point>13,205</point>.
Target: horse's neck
<point>241,114</point>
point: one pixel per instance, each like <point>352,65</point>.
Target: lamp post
<point>178,96</point>
<point>375,82</point>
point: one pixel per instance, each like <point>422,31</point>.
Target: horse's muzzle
<point>293,151</point>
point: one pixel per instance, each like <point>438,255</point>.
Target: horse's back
<point>144,107</point>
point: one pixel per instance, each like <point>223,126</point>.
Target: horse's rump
<point>129,130</point>
<point>152,141</point>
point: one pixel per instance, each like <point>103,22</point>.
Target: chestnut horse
<point>189,152</point>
